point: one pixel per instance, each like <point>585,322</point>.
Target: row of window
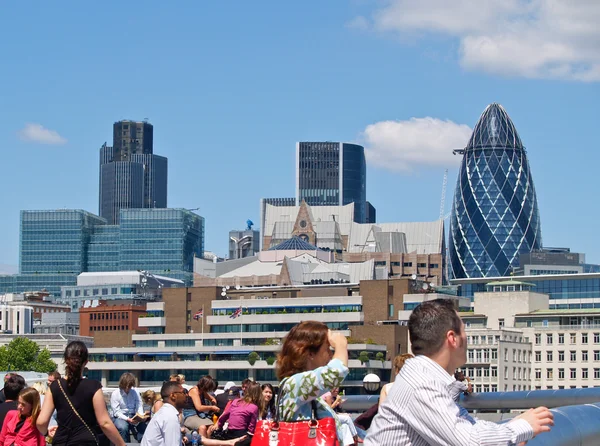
<point>406,264</point>
<point>289,310</point>
<point>572,356</point>
<point>489,339</point>
<point>109,316</point>
<point>110,328</point>
<point>585,373</point>
<point>561,338</point>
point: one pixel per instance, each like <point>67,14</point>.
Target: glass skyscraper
<point>495,214</point>
<point>332,174</point>
<point>131,176</point>
<point>56,246</point>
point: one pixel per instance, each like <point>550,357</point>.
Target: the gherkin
<point>495,214</point>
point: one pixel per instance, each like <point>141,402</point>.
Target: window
<point>501,323</point>
<point>561,356</point>
<point>506,372</point>
<point>549,338</point>
<point>514,355</point>
<point>538,373</point>
<point>421,265</point>
<point>434,265</point>
<point>561,373</point>
<point>538,339</point>
<point>584,338</point>
<point>506,354</point>
<point>573,373</point>
<point>561,338</point>
<point>475,339</point>
<point>494,354</point>
<point>494,372</point>
<point>596,373</point>
<point>584,373</point>
<point>596,338</point>
<point>573,356</point>
<point>478,372</point>
<point>486,372</point>
<point>549,356</point>
<point>549,374</point>
<point>573,337</point>
<point>596,355</point>
<point>407,264</point>
<point>538,356</point>
<point>584,355</point>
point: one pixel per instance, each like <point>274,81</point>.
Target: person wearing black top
<point>12,387</point>
<point>79,403</point>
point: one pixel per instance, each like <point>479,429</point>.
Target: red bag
<point>296,433</point>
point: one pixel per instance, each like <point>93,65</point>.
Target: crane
<point>443,201</point>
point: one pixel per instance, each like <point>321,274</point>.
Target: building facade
<point>111,325</point>
<point>212,330</point>
<point>16,319</point>
<point>131,176</point>
<point>245,243</point>
<point>57,246</point>
<point>332,174</point>
<point>495,214</point>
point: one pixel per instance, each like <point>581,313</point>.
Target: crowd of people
<point>419,407</point>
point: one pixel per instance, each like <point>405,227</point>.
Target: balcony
<point>152,321</point>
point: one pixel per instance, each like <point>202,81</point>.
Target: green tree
<point>363,357</point>
<point>380,356</point>
<point>24,354</point>
<point>253,357</point>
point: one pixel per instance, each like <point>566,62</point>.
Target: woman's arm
<point>253,419</point>
<point>224,416</point>
<point>7,420</point>
<point>45,413</point>
<point>104,420</point>
<point>195,395</point>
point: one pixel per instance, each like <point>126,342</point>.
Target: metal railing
<point>576,411</point>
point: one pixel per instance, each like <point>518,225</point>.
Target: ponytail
<point>75,357</point>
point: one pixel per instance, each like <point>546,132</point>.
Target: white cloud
<point>554,39</point>
<point>358,22</point>
<point>38,133</point>
<point>405,145</point>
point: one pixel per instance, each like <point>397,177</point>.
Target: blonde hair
<point>40,387</point>
<point>32,396</point>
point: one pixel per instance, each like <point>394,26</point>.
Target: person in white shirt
<point>127,409</point>
<point>164,428</point>
<point>420,410</point>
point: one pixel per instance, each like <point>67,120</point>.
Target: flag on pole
<point>198,315</point>
<point>237,313</point>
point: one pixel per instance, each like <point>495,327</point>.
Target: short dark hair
<point>13,386</point>
<point>429,323</point>
<point>168,388</point>
<point>55,374</point>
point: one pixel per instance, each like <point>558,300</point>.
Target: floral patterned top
<point>298,391</point>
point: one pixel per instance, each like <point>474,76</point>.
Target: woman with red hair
<point>308,368</point>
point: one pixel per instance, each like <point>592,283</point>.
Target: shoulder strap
<point>77,413</point>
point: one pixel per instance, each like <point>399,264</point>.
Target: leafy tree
<point>380,356</point>
<point>253,357</point>
<point>271,360</point>
<point>24,354</point>
<point>363,357</point>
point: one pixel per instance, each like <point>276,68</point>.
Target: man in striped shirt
<point>420,409</point>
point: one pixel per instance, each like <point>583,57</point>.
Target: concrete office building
<point>58,323</point>
<point>119,286</point>
<point>495,215</point>
<point>208,330</point>
<point>398,249</point>
<point>566,291</point>
<point>16,319</point>
<point>537,348</point>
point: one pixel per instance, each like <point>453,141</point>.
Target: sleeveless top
<point>71,431</point>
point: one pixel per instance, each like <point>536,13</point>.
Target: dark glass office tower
<point>131,137</point>
<point>332,174</point>
<point>131,176</point>
<point>495,214</point>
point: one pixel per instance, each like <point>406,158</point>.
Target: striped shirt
<point>420,411</point>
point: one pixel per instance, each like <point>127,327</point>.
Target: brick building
<point>111,325</point>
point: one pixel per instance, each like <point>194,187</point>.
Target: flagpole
<point>202,325</point>
<point>241,325</point>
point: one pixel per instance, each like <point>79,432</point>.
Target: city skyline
<point>228,107</point>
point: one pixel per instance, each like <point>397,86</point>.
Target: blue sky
<point>231,86</point>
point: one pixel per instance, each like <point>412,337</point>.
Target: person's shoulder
<point>11,414</point>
